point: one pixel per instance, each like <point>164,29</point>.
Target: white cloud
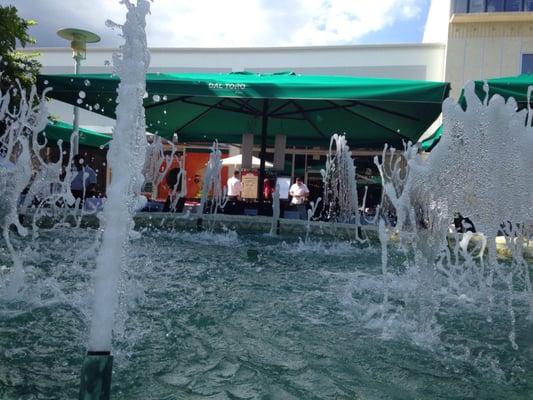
<point>216,23</point>
<point>254,22</point>
<point>436,30</point>
<point>346,21</point>
<point>206,23</point>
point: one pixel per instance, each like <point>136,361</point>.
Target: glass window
<point>494,5</point>
<point>477,6</point>
<point>527,63</point>
<point>528,5</point>
<point>461,6</point>
<point>513,5</point>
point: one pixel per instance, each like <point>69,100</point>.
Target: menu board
<point>250,182</point>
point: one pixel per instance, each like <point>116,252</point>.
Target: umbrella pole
<point>264,128</point>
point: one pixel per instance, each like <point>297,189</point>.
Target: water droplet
<point>87,82</point>
<point>164,111</point>
<point>145,95</point>
<point>46,82</point>
<point>165,98</point>
<point>79,101</point>
<point>81,94</point>
<point>156,98</point>
<point>112,24</point>
<point>97,106</point>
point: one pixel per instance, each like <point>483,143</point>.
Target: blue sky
<point>410,31</point>
<point>234,23</point>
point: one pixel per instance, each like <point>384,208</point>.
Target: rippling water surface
<point>203,317</point>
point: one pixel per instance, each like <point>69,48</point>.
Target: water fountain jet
<point>466,174</point>
<point>126,157</point>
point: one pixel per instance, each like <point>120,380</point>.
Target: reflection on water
<point>299,321</point>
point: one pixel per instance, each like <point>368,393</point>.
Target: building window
<point>513,5</point>
<point>477,6</point>
<point>461,6</point>
<point>527,63</point>
<point>480,6</point>
<point>495,5</point>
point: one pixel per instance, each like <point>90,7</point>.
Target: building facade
<point>488,39</point>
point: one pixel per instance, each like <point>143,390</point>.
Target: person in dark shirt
<point>83,183</point>
<point>463,225</point>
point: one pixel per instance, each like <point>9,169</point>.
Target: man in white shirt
<point>299,193</point>
<point>234,186</point>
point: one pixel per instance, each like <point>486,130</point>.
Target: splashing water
<point>125,157</point>
<point>442,273</point>
<point>310,214</point>
<point>481,169</point>
<point>275,211</point>
<point>340,186</point>
<point>157,166</point>
<point>18,145</point>
<point>154,169</point>
<point>212,185</point>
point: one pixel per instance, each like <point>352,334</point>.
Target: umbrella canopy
<point>430,142</point>
<point>237,161</point>
<point>60,130</point>
<point>307,109</point>
<point>511,86</point>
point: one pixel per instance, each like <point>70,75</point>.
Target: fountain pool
<point>226,315</point>
<point>300,321</point>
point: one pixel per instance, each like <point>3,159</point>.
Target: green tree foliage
<point>15,65</point>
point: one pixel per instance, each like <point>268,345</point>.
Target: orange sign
<point>195,164</point>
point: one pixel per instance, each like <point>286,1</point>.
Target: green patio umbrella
<point>56,130</point>
<point>430,142</point>
<point>306,109</point>
<point>511,86</point>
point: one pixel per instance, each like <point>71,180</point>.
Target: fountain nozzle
<point>96,376</point>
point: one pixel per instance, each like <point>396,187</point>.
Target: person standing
<point>299,193</point>
<point>234,186</point>
<point>83,184</point>
<point>267,190</point>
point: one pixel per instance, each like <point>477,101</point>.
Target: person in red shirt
<point>267,190</point>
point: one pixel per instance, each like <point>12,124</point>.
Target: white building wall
<point>401,61</point>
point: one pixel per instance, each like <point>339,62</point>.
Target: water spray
<point>126,158</point>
